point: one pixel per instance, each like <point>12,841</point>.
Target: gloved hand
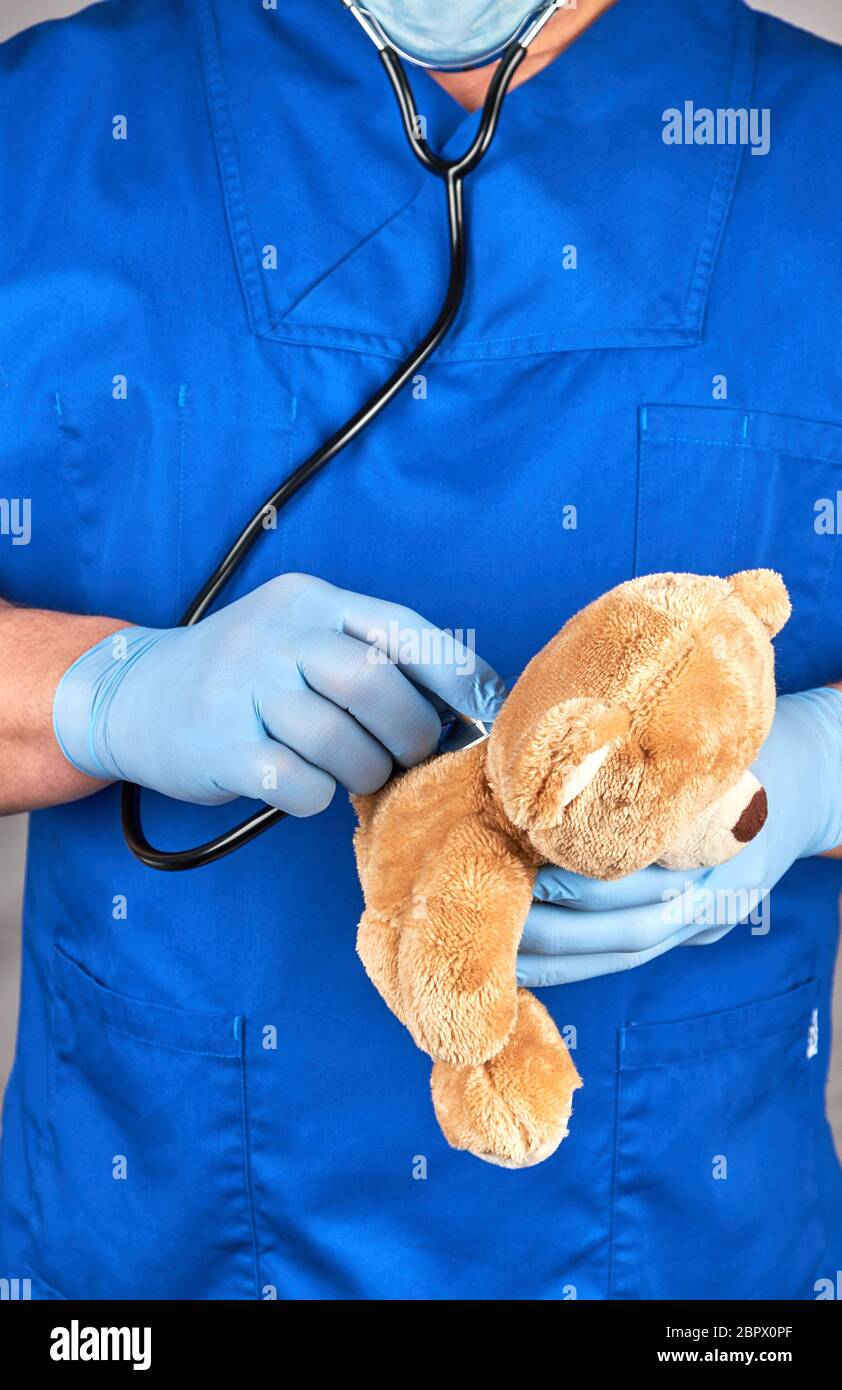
<point>581,927</point>
<point>277,697</point>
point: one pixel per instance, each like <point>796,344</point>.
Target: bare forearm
<point>36,648</point>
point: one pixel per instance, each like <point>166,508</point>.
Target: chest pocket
<point>104,479</point>
<point>721,490</point>
<point>133,498</point>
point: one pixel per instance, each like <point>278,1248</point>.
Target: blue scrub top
<point>209,1098</point>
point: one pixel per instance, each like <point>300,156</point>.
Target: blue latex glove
<point>277,697</point>
<point>581,927</point>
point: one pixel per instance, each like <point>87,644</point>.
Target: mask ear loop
<point>452,172</point>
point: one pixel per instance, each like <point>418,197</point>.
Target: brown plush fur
<point>626,742</point>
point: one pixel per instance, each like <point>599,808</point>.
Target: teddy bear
<point>627,741</point>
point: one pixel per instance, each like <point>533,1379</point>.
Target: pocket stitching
<point>693,1058</point>
<point>139,1017</point>
<point>792,662</point>
<point>781,1023</point>
<point>74,1004</point>
<point>138,1037</point>
<point>784,1031</point>
<point>781,450</point>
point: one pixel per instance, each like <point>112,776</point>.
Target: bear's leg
<point>513,1110</point>
<point>458,944</point>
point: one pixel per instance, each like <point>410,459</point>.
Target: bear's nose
<point>752,819</point>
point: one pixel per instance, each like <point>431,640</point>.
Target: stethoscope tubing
<point>453,173</point>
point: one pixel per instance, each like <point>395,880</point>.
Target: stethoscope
<point>453,173</point>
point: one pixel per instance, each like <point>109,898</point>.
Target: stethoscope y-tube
<point>453,173</point>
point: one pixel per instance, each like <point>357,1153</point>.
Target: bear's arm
<point>447,892</point>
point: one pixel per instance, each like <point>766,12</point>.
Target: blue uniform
<point>209,1100</point>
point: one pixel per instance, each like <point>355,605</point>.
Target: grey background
<point>822,16</point>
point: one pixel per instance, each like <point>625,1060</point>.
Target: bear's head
<point>628,738</point>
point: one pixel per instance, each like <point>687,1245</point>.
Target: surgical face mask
<point>452,33</point>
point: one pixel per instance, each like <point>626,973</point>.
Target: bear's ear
<point>764,592</point>
<point>557,758</point>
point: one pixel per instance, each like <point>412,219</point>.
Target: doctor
<point>213,244</point>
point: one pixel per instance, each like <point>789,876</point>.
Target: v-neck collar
<point>587,230</point>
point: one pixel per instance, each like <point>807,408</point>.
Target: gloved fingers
<point>327,737</point>
<point>540,971</point>
<point>269,771</point>
<point>708,937</point>
<point>554,885</point>
<point>724,901</point>
<point>736,891</point>
<point>805,813</point>
<point>437,660</point>
<point>441,662</point>
<point>555,931</point>
<point>360,679</point>
<point>716,899</point>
